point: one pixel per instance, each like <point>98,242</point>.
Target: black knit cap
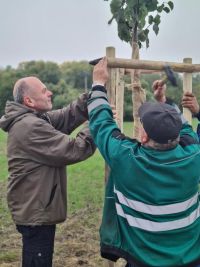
<point>161,122</point>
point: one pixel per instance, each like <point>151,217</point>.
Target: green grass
<point>86,183</point>
<point>9,256</point>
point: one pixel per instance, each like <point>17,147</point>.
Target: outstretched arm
<point>103,127</point>
<point>159,91</point>
<point>69,118</point>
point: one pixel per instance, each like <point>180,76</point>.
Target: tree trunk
<point>138,94</point>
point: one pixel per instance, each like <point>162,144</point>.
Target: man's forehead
<point>35,83</point>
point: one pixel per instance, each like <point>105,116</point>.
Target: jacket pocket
<point>51,196</point>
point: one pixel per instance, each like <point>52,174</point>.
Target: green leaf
<point>166,9</point>
<point>147,42</point>
<point>150,19</point>
<point>142,36</point>
<point>171,5</point>
<point>160,8</point>
<point>151,5</point>
<point>115,6</point>
<point>156,28</point>
<point>121,17</point>
<point>142,23</point>
<point>157,19</point>
<point>131,3</point>
<point>143,11</point>
<point>123,32</point>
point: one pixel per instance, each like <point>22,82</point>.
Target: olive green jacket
<point>39,148</point>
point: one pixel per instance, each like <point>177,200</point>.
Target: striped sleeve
<point>102,125</point>
<point>98,96</point>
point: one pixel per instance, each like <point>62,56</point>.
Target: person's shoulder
<point>31,122</point>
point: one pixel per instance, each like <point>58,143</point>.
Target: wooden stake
<point>110,86</point>
<point>120,97</point>
<point>187,87</point>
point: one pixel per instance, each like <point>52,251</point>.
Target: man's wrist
<point>99,88</point>
<point>96,83</point>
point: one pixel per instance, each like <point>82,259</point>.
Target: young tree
<point>134,19</point>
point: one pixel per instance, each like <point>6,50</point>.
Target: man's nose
<point>49,93</point>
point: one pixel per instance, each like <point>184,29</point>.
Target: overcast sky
<point>66,30</point>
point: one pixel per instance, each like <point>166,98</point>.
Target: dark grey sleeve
<point>69,118</point>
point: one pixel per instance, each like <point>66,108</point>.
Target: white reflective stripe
<point>98,94</point>
<point>96,103</point>
<point>158,226</point>
<point>156,210</point>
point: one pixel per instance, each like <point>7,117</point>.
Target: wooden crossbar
<point>151,65</point>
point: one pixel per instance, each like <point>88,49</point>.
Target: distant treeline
<point>70,79</point>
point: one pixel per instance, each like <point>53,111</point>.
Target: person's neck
<point>161,99</point>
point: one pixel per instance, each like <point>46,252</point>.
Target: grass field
<point>77,239</point>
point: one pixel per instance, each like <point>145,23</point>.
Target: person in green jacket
<point>39,149</point>
<point>151,213</point>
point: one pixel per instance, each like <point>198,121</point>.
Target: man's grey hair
<point>20,89</point>
<point>157,146</point>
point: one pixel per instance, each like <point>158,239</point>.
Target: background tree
<point>66,81</point>
<point>75,74</point>
<point>134,19</point>
<point>45,71</point>
<point>63,94</point>
<point>8,77</point>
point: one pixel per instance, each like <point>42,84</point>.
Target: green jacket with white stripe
<point>151,211</point>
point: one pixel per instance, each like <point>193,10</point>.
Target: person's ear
<point>28,102</point>
<point>144,137</point>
